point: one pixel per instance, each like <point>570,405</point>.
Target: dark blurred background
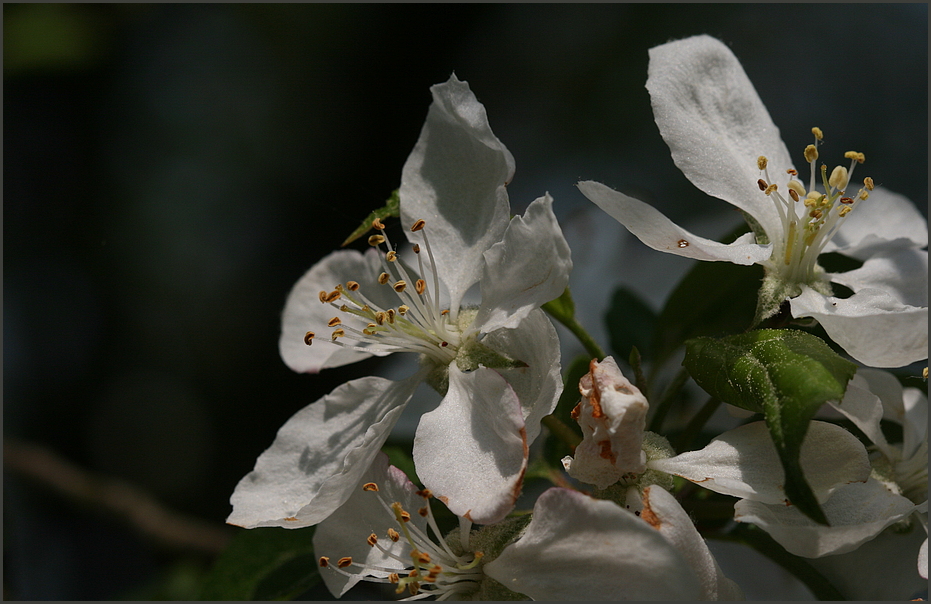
<point>171,170</point>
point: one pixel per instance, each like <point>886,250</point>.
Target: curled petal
<point>455,179</point>
<point>743,462</point>
<point>525,270</point>
<point>715,124</point>
<point>471,451</point>
<point>856,513</point>
<point>872,325</point>
<point>884,221</point>
<point>320,454</point>
<point>660,233</point>
<point>579,548</point>
<point>902,273</point>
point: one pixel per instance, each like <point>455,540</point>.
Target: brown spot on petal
<point>291,519</point>
<point>647,513</point>
<point>605,451</point>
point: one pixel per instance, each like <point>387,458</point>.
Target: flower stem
<point>563,310</point>
<point>561,431</point>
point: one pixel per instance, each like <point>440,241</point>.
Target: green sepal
<point>473,354</point>
<point>784,374</point>
<point>267,563</point>
<point>392,208</point>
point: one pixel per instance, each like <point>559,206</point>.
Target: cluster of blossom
<point>614,529</point>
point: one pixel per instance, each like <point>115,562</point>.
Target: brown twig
<point>139,509</point>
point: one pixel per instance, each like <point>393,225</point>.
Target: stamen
<point>324,561</point>
<point>856,156</point>
<point>370,486</point>
<point>383,278</point>
<point>402,310</point>
<point>333,296</point>
<point>391,256</point>
<point>352,286</point>
<point>762,184</point>
<point>337,333</point>
<point>309,338</point>
<point>771,189</point>
<point>811,153</point>
<point>817,132</point>
<point>393,535</point>
<point>322,296</point>
<point>416,248</point>
<point>334,322</point>
<point>418,225</point>
<point>793,194</point>
<point>399,286</point>
<point>761,162</point>
<point>372,539</point>
<point>378,225</point>
<point>420,285</point>
<point>868,183</point>
<point>838,179</point>
<point>376,240</point>
<point>344,562</point>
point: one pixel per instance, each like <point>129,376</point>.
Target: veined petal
<point>304,312</point>
<point>663,512</point>
<point>538,386</point>
<point>471,451</point>
<point>715,124</point>
<point>525,270</point>
<point>455,179</point>
<point>345,531</point>
<point>872,326</point>
<point>743,462</point>
<point>884,221</point>
<point>856,513</point>
<point>903,273</point>
<point>320,454</point>
<point>660,233</point>
<point>579,548</point>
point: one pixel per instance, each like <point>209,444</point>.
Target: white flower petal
<point>526,269</point>
<point>872,326</point>
<point>856,513</point>
<point>715,124</point>
<point>471,451</point>
<point>884,221</point>
<point>345,531</point>
<point>455,179</point>
<point>861,406</point>
<point>743,462</point>
<point>923,559</point>
<point>538,385</point>
<point>579,548</point>
<point>663,512</point>
<point>304,312</point>
<point>319,455</point>
<point>660,233</point>
<point>902,273</point>
<point>915,422</point>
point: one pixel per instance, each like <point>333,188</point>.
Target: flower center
<point>432,569</point>
<point>810,218</point>
<point>415,324</point>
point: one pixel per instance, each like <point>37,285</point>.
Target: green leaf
<point>392,208</point>
<point>631,323</point>
<point>784,374</point>
<point>713,299</point>
<point>267,563</point>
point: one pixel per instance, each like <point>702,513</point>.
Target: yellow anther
<point>368,332</point>
<point>796,186</point>
<point>391,312</point>
<point>416,248</point>
<point>383,278</point>
<point>846,200</point>
<point>378,225</point>
<point>344,562</point>
<point>337,333</point>
<point>844,211</point>
<point>370,486</point>
<point>391,256</point>
<point>420,285</point>
<point>444,312</point>
<point>771,189</point>
<point>811,153</point>
<point>868,183</point>
<point>423,512</point>
<point>793,195</point>
<point>322,296</point>
<point>817,132</point>
<point>418,225</point>
<point>863,194</point>
<point>405,517</point>
<point>372,540</point>
<point>372,326</point>
<point>761,184</point>
<point>761,162</point>
<point>344,308</point>
<point>352,286</point>
<point>816,214</point>
<point>376,240</point>
<point>859,157</point>
<point>309,338</point>
<point>422,557</point>
<point>838,178</point>
<point>400,286</point>
<point>333,322</point>
<point>402,310</point>
<point>324,561</point>
<point>333,296</point>
<point>394,535</point>
<point>792,172</point>
<point>393,578</point>
<point>380,317</point>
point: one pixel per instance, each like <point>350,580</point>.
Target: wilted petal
<point>660,233</point>
<point>471,451</point>
<point>715,124</point>
<point>304,312</point>
<point>856,513</point>
<point>525,270</point>
<point>320,454</point>
<point>902,273</point>
<point>743,462</point>
<point>872,326</point>
<point>538,385</point>
<point>345,531</point>
<point>663,512</point>
<point>455,179</point>
<point>884,221</point>
<point>612,415</point>
<point>579,548</point>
